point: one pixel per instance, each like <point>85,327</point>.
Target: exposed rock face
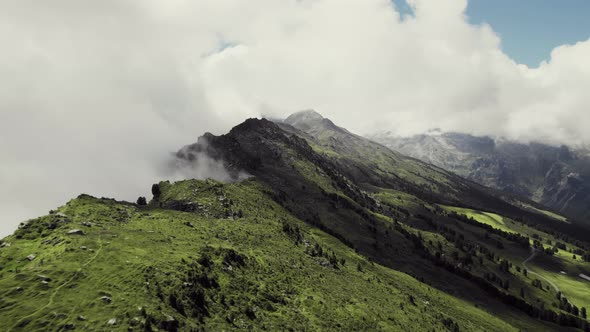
<point>557,177</point>
<point>281,154</point>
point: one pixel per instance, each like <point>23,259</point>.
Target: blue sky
<point>530,29</point>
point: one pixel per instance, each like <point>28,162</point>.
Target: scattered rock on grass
<point>75,231</point>
<point>31,257</point>
<point>44,278</point>
<point>112,321</point>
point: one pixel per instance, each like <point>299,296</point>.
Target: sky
<point>529,29</point>
<point>95,95</point>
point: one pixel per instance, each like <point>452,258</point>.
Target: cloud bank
<point>95,94</point>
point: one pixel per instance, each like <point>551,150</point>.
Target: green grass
<point>140,257</point>
<point>491,219</point>
<point>571,285</point>
<point>545,212</point>
<point>576,289</point>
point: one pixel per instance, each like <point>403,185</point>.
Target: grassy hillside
<point>237,261</point>
<point>550,261</point>
<point>331,232</point>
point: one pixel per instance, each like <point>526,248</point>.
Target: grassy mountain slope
<point>337,181</point>
<point>331,232</point>
<point>367,162</point>
<point>558,177</point>
<point>237,261</point>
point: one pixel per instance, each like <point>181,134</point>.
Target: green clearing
<point>545,212</point>
<point>489,218</point>
<point>576,289</point>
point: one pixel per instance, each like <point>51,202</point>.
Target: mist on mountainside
<point>92,107</point>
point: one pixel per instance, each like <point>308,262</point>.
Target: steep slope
<point>557,177</point>
<point>237,261</point>
<point>330,232</point>
<point>390,208</point>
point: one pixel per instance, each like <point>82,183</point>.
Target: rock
<point>19,289</point>
<point>86,223</point>
<point>324,262</point>
<point>5,244</point>
<point>45,283</point>
<point>189,224</point>
<point>106,299</point>
<point>83,247</point>
<point>44,278</point>
<point>62,215</point>
<point>31,257</point>
<point>75,231</point>
<point>81,318</point>
<point>112,321</point>
<point>69,326</point>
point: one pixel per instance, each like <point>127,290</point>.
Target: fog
<point>95,95</point>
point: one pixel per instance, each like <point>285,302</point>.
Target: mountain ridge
<point>329,231</point>
<point>556,176</point>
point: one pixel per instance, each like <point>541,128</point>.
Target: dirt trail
<point>533,254</point>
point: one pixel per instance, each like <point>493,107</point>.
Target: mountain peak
<point>312,123</point>
<point>306,116</point>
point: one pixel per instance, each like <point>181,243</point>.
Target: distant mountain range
<point>555,176</point>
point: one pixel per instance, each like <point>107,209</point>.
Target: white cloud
<point>94,94</point>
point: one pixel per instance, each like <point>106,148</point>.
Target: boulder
<point>31,257</point>
<point>75,231</point>
<point>106,299</point>
<point>44,278</point>
<point>112,321</point>
<point>83,247</point>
